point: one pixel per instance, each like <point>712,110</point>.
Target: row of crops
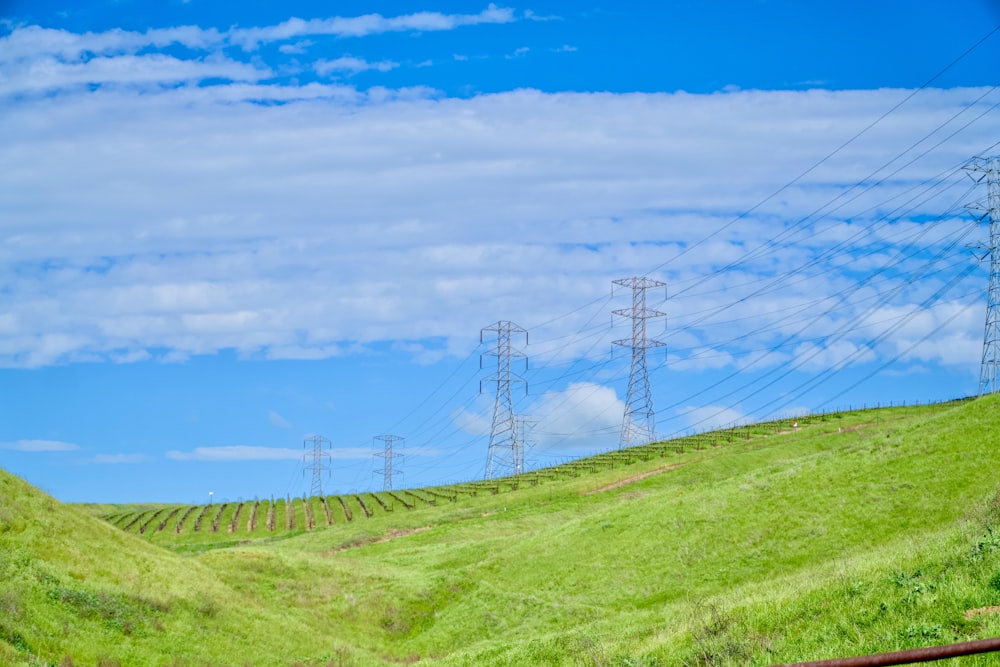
<point>262,517</point>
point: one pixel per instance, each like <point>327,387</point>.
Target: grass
<point>859,532</point>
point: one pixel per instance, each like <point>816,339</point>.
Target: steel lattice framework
<point>521,426</point>
<point>987,169</point>
<point>504,456</point>
<point>389,467</point>
<point>639,423</point>
<point>320,454</point>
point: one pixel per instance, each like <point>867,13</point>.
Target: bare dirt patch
<point>633,479</point>
<point>982,611</point>
<point>852,429</point>
<point>393,534</point>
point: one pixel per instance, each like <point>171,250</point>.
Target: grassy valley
<point>853,533</point>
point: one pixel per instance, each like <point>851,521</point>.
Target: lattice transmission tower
<point>316,461</point>
<point>987,169</point>
<point>389,458</point>
<point>639,423</point>
<point>522,424</point>
<point>502,455</point>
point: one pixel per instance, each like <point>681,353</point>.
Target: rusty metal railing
<point>909,656</point>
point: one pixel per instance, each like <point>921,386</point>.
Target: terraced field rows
<point>290,515</point>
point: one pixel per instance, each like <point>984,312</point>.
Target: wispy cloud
<point>369,24</point>
<point>532,16</point>
<point>257,453</point>
<point>36,59</point>
<point>236,453</point>
<point>277,420</point>
<point>276,248</point>
<point>473,422</point>
<point>153,69</point>
<point>298,48</point>
<point>224,243</point>
<point>352,65</point>
<point>27,42</point>
<point>584,415</point>
<point>39,446</point>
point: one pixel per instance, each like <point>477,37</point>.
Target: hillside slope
<point>74,590</point>
<point>855,533</point>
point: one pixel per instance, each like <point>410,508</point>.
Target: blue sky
<point>224,230</point>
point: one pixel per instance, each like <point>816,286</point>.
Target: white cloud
<point>153,69</point>
<point>298,48</point>
<point>585,415</point>
<point>369,24</point>
<point>812,357</point>
<point>39,446</point>
<point>277,420</point>
<point>518,52</point>
<point>28,42</point>
<point>473,422</point>
<point>355,453</point>
<point>262,217</point>
<point>236,453</point>
<point>352,65</point>
<point>257,453</point>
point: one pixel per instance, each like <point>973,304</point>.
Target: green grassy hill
<point>860,532</point>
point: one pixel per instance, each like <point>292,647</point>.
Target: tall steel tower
<point>502,456</point>
<point>988,169</point>
<point>317,465</point>
<point>389,459</point>
<point>521,423</point>
<point>639,423</point>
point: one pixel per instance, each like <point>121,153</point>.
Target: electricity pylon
<point>521,426</point>
<point>317,466</point>
<point>988,169</point>
<point>389,463</point>
<point>502,455</point>
<point>639,422</point>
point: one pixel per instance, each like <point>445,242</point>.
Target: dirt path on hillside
<point>972,613</point>
<point>633,479</point>
<point>391,535</point>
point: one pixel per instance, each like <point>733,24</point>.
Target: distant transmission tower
<point>317,466</point>
<point>502,456</point>
<point>389,459</point>
<point>639,424</point>
<point>521,426</point>
<point>988,169</point>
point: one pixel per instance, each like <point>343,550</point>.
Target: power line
<point>837,150</point>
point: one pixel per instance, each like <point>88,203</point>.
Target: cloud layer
<point>185,222</point>
<point>181,192</point>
